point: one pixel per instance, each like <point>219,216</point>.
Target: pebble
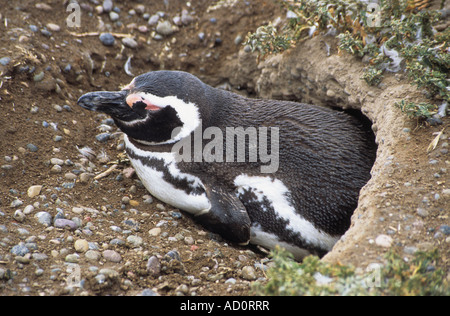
<point>32,147</point>
<point>16,203</point>
<point>39,76</point>
<point>189,240</point>
<point>113,16</point>
<point>56,169</point>
<point>63,223</point>
<point>134,241</point>
<point>129,42</point>
<point>422,212</point>
<point>53,27</point>
<point>445,229</point>
<point>19,216</point>
<point>20,250</point>
<point>34,190</point>
<point>248,273</point>
<point>72,258</point>
<point>5,61</point>
<point>154,231</point>
<point>44,218</point>
<point>384,241</point>
<point>165,28</point>
<point>107,5</point>
<point>112,256</point>
<point>85,177</point>
<point>81,245</point>
<point>70,176</point>
<point>28,209</point>
<point>153,20</point>
<point>153,266</point>
<point>56,161</point>
<point>103,137</point>
<point>107,39</point>
<point>186,18</point>
<point>93,255</point>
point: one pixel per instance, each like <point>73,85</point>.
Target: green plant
<point>417,110</point>
<point>267,41</point>
<point>402,39</point>
<point>421,276</point>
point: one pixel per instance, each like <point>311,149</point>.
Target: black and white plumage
<point>325,158</point>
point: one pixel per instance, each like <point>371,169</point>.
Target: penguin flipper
<point>227,216</point>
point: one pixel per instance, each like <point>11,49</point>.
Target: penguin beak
<point>109,102</point>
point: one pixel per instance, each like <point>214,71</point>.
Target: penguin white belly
<point>156,183</point>
<point>272,196</point>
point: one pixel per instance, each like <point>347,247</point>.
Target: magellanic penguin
<point>302,199</point>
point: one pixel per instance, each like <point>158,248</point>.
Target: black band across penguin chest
<point>159,173</point>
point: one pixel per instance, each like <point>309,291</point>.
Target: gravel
<point>107,39</point>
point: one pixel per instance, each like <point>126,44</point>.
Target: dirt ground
<point>407,199</point>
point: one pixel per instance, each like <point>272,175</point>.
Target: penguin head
<point>159,107</point>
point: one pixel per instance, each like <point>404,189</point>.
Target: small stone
<point>108,5</point>
<point>20,250</point>
<point>445,229</point>
<point>5,61</point>
<point>165,28</point>
<point>39,76</point>
<point>154,231</point>
<point>248,273</point>
<point>72,258</point>
<point>331,93</point>
<point>384,241</point>
<point>113,16</point>
<point>422,212</point>
<point>23,259</point>
<point>34,190</point>
<point>110,273</point>
<point>129,42</point>
<point>65,223</point>
<point>81,245</point>
<point>186,18</point>
<point>56,169</point>
<point>189,240</point>
<point>28,209</point>
<point>19,216</point>
<point>39,256</point>
<point>112,256</point>
<point>53,27</point>
<point>125,200</point>
<point>16,203</point>
<point>134,241</point>
<point>43,6</point>
<point>153,266</point>
<point>33,148</point>
<point>70,176</point>
<point>103,137</point>
<point>153,20</point>
<point>107,39</point>
<point>44,218</point>
<point>143,28</point>
<point>56,161</point>
<point>92,255</point>
<point>85,177</point>
<point>238,40</point>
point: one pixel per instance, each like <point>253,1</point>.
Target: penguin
<point>302,200</point>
